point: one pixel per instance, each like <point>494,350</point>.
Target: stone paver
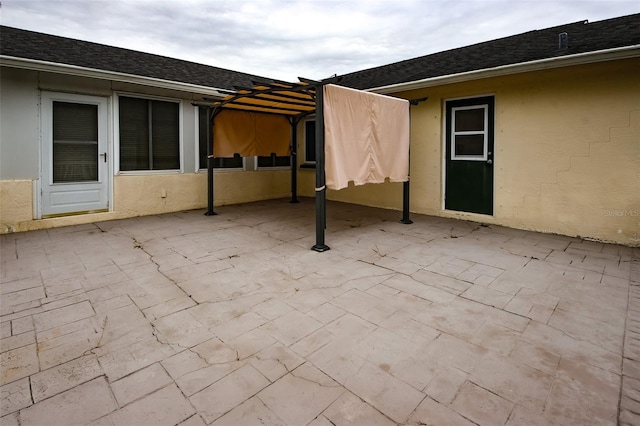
<point>64,377</point>
<point>228,392</point>
<point>232,320</point>
<point>80,405</point>
<point>167,406</point>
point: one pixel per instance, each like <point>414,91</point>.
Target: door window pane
<point>75,142</point>
<point>469,145</point>
<point>469,120</point>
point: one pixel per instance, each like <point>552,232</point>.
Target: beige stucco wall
<point>567,152</point>
<point>16,204</point>
<point>142,195</point>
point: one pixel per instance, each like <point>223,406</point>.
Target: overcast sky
<point>285,39</point>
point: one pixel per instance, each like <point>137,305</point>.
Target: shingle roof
<point>530,46</point>
<point>583,37</point>
<point>44,47</point>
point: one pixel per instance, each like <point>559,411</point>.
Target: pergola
<point>294,101</point>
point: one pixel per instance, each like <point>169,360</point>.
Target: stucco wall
<point>16,204</point>
<point>146,195</point>
<point>19,124</point>
<point>567,152</point>
<point>143,195</point>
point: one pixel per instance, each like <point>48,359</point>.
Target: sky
<point>287,39</point>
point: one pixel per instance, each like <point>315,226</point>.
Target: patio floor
<point>232,320</point>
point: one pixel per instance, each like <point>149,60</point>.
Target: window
<point>149,134</point>
<point>234,162</point>
<point>469,132</point>
<point>310,142</point>
<point>274,161</point>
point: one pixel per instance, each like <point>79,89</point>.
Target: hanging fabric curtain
<point>250,134</point>
<point>366,137</point>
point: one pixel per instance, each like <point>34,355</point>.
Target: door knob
<point>489,161</point>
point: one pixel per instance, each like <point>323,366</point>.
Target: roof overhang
<point>59,68</point>
<point>542,64</point>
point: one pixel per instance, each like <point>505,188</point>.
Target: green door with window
<point>469,155</point>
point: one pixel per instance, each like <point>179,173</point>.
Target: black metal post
<point>405,204</point>
<point>321,189</point>
<point>405,186</point>
<point>294,159</point>
<point>210,117</point>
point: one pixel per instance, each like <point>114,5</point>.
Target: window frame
<point>116,134</point>
<point>484,133</point>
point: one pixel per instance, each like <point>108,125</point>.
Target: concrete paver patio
<point>232,320</point>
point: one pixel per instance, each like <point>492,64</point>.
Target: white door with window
<point>75,159</point>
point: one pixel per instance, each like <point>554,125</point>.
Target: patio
<point>233,320</point>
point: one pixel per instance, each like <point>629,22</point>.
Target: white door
<point>75,160</point>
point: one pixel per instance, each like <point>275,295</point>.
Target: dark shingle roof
<point>530,46</point>
<point>44,47</point>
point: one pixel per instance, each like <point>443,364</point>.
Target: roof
<point>61,50</point>
<point>583,37</point>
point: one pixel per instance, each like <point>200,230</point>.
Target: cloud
<point>289,38</point>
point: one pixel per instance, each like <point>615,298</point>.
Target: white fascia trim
<point>36,65</point>
<point>563,61</point>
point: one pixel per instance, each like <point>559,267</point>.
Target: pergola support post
<point>321,189</point>
<point>405,204</point>
<point>294,159</point>
<point>211,114</point>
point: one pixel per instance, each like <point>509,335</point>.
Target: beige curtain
<point>250,134</point>
<point>366,137</point>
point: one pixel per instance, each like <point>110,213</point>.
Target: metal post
<point>210,116</point>
<point>321,189</point>
<point>405,204</point>
<point>294,159</point>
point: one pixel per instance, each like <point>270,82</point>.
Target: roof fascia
<point>37,65</point>
<point>542,64</point>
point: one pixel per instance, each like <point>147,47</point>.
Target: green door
<point>469,155</point>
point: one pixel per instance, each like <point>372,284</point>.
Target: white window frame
<point>484,132</point>
<point>116,135</point>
